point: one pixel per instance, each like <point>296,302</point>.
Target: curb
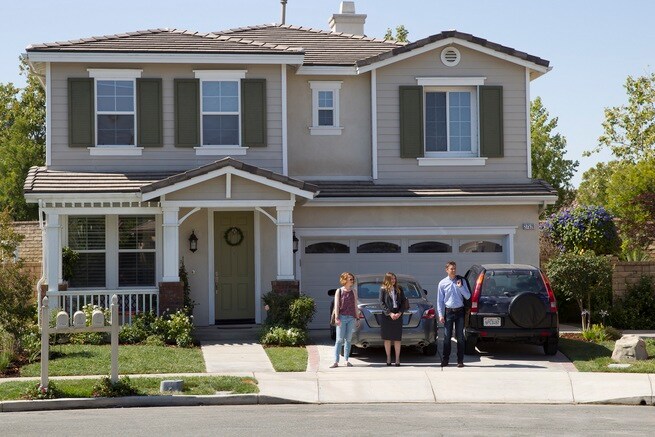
<point>141,401</point>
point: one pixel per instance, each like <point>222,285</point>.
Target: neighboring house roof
<point>41,180</point>
<point>370,190</point>
<point>321,47</point>
<point>164,41</point>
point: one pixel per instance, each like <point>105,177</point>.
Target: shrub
<point>179,329</point>
<point>107,389</point>
<point>30,343</point>
<point>175,328</point>
<point>7,348</point>
<point>596,333</point>
<point>155,340</point>
<point>302,310</point>
<point>280,336</point>
<point>278,308</point>
<point>92,337</point>
<point>585,278</point>
<point>636,309</point>
<point>583,228</point>
<point>38,392</point>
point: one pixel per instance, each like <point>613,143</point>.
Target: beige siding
<point>345,155</point>
<point>511,168</point>
<point>167,157</point>
<point>241,189</point>
<point>526,242</point>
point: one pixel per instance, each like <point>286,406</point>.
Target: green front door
<point>234,267</point>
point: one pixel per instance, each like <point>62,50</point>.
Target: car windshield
<point>371,290</point>
<point>512,282</point>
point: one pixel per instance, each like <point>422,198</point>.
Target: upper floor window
<point>325,108</point>
<point>115,106</point>
<point>450,121</point>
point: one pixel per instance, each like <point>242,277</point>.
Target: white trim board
<point>424,201</point>
<point>404,231</point>
<point>167,58</point>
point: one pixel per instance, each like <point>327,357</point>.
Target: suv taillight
<point>476,294</point>
<point>551,295</point>
<point>429,314</point>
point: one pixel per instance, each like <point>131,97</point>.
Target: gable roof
<point>164,41</point>
<point>321,47</point>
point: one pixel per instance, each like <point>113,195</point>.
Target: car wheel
<point>430,350</point>
<point>527,310</point>
<point>470,341</point>
<point>550,347</point>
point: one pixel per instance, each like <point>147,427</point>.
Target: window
<point>86,236</point>
<point>450,122</point>
<point>325,108</point>
<point>327,247</point>
<point>430,247</point>
<point>136,251</point>
<point>480,246</point>
<point>115,108</point>
<point>220,106</point>
<point>378,247</point>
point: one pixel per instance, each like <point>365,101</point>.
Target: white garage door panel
<point>320,272</point>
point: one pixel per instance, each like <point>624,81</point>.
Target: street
<point>330,420</point>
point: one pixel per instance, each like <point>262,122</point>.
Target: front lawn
<point>287,359</point>
<point>594,357</point>
<point>71,359</point>
<point>193,385</point>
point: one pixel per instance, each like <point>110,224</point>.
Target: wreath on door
<point>233,236</point>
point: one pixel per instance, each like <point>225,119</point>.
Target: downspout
<point>41,280</point>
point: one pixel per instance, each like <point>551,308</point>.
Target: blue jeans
<point>457,319</point>
<point>344,333</point>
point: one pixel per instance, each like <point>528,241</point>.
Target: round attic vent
<point>450,56</point>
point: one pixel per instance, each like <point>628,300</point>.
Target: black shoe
<point>444,364</point>
<point>397,364</point>
<point>388,364</point>
<point>460,364</point>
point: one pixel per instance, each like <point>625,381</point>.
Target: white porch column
<point>53,251</point>
<point>284,242</point>
<point>171,244</point>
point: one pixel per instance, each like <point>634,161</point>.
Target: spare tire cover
<point>527,310</point>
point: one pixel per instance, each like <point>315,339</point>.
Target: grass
<point>594,357</point>
<point>194,385</point>
<point>71,359</point>
<point>287,359</point>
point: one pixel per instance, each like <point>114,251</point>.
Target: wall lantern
<point>193,242</point>
<point>295,243</point>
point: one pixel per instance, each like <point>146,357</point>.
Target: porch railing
<point>130,302</point>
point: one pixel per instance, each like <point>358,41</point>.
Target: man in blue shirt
<point>451,293</point>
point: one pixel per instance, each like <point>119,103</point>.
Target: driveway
<point>491,356</point>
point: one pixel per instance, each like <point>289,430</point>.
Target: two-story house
<point>275,155</point>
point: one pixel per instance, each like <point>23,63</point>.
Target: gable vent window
<point>450,56</point>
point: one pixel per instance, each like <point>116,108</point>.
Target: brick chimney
<point>347,21</point>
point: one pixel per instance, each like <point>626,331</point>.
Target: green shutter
<point>149,113</point>
<point>411,122</point>
<point>253,112</point>
<point>491,121</point>
<point>81,131</point>
<point>187,112</point>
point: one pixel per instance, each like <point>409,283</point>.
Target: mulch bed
<point>572,336</point>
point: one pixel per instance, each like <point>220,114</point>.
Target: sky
<point>592,45</point>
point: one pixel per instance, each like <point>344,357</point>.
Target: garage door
<point>324,259</point>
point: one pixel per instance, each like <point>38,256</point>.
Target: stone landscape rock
<point>629,348</point>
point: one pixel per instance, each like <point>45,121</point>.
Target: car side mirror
<point>425,292</point>
<point>332,291</point>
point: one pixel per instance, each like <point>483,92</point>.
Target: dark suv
<point>511,302</point>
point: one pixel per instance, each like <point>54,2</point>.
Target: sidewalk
<point>526,377</point>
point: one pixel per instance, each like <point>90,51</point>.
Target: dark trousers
<point>455,318</point>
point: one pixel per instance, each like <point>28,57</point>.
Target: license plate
<point>491,321</point>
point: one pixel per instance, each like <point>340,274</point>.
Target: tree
<point>548,149</point>
<point>22,141</point>
<point>581,277</point>
<point>593,188</point>
<point>629,130</point>
<point>401,34</point>
<point>629,191</point>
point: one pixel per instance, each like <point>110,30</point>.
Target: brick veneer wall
<point>628,273</point>
<point>30,248</point>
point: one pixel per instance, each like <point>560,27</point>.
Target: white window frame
<point>99,74</point>
<point>334,87</point>
<point>112,251</point>
<point>474,122</point>
<point>220,76</point>
<point>119,250</point>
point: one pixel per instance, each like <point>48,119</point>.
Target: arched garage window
<point>378,247</point>
<point>327,247</point>
<point>430,247</point>
<point>480,246</point>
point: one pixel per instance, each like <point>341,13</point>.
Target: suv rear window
<point>512,282</point>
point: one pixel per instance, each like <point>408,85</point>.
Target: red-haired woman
<point>345,310</point>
